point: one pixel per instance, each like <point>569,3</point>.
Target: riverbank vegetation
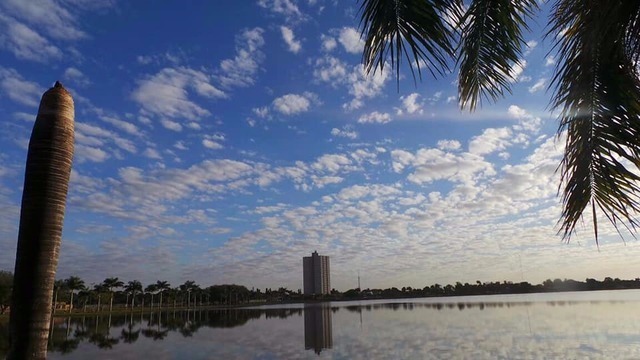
<point>73,295</point>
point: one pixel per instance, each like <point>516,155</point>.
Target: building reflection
<point>318,331</point>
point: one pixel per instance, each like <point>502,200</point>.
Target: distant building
<point>316,274</point>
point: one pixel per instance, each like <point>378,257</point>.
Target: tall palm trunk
<point>111,303</point>
<point>46,182</point>
<point>71,302</point>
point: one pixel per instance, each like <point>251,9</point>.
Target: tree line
<point>73,295</point>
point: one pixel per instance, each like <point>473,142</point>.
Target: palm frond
<point>597,90</point>
<point>414,29</point>
<point>491,44</point>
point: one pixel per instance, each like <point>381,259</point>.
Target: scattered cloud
<point>166,94</point>
<point>410,105</point>
<point>26,43</point>
<point>76,77</point>
<point>375,117</point>
<point>286,8</point>
<point>18,89</point>
<point>345,132</point>
<point>241,70</point>
<point>329,43</point>
<point>539,85</point>
<point>292,104</point>
<point>350,39</point>
<point>287,35</point>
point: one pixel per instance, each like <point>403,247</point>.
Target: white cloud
<point>434,164</point>
<point>449,145</point>
<point>345,132</point>
<point>364,85</point>
<point>166,94</point>
<point>410,104</point>
<point>550,61</point>
<point>289,38</point>
<point>241,70</point>
<point>18,89</point>
<point>491,140</point>
<point>151,153</point>
<point>359,84</point>
<point>24,42</point>
<point>328,43</point>
<point>539,85</point>
<point>531,45</point>
<point>213,142</point>
<point>287,8</point>
<point>350,39</point>
<point>76,76</point>
<point>58,18</point>
<point>330,70</point>
<point>171,125</point>
<point>516,71</point>
<point>332,163</point>
<point>291,104</point>
<point>375,117</point>
<point>89,153</point>
<point>122,125</point>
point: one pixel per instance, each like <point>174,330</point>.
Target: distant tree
<point>73,283</point>
<point>98,289</point>
<point>133,287</point>
<point>57,286</point>
<point>151,289</point>
<point>110,284</point>
<point>161,287</point>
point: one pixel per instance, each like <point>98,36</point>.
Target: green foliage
<point>596,82</point>
<point>598,95</point>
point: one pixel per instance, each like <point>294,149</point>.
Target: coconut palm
<point>73,283</point>
<point>596,87</point>
<point>57,286</point>
<point>44,195</point>
<point>98,289</point>
<point>132,288</point>
<point>188,287</point>
<point>151,289</point>
<point>110,284</point>
<point>161,287</point>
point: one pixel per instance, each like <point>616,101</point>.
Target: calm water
<point>585,325</point>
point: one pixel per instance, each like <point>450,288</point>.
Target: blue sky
<point>223,141</point>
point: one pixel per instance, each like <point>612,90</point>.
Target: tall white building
<point>316,274</point>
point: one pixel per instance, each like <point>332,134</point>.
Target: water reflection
<point>318,331</point>
<point>418,328</point>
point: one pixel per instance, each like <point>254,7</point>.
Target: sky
<point>222,141</point>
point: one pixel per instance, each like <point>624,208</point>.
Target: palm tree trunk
<point>46,183</point>
<point>71,302</point>
<point>111,303</point>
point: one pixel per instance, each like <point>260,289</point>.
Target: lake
<point>574,325</point>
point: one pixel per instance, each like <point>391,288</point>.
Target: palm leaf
<point>414,29</point>
<point>491,44</point>
<point>597,91</point>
